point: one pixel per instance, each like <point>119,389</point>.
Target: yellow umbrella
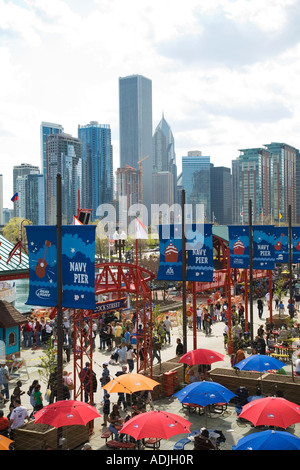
<point>130,383</point>
<point>5,443</point>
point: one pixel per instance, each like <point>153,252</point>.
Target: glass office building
<point>135,114</point>
<point>196,183</point>
<point>47,128</point>
<point>97,166</point>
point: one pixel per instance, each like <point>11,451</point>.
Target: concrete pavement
<point>227,423</point>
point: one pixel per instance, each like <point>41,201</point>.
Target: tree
<point>11,231</point>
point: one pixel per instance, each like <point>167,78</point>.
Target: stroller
<point>114,357</point>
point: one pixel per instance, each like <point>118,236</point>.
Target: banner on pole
<point>199,246</point>
<point>170,244</point>
<point>42,265</point>
<point>78,266</point>
<point>281,244</point>
<point>239,246</point>
<point>263,247</point>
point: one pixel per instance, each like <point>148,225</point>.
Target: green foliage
<point>48,363</point>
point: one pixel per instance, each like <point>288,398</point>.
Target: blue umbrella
<point>269,440</point>
<point>260,363</point>
<point>204,393</point>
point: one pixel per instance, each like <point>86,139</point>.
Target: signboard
<point>263,247</point>
<point>199,248</point>
<point>170,244</point>
<point>239,246</point>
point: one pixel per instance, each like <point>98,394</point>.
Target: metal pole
<point>59,300</point>
<point>230,342</point>
<point>250,268</point>
<point>183,250</point>
<point>290,262</point>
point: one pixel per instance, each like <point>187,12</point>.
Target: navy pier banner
<point>78,266</point>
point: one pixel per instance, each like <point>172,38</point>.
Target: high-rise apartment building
<point>47,128</point>
<point>97,166</point>
<point>267,176</point>
<point>35,198</point>
<point>135,114</point>
<point>255,184</point>
<point>63,154</point>
<point>19,172</point>
<point>196,183</point>
<point>284,190</point>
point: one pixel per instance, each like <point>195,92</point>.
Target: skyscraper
<point>196,183</point>
<point>255,183</point>
<point>221,195</point>
<point>164,165</point>
<point>34,196</point>
<point>47,128</point>
<point>97,166</point>
<point>135,114</point>
<point>63,156</point>
<point>19,172</point>
<point>284,189</point>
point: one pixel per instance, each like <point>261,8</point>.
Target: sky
<point>225,73</point>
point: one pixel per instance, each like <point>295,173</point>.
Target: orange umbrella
<point>5,443</point>
<point>130,383</point>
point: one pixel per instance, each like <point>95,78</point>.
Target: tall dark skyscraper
<point>135,111</point>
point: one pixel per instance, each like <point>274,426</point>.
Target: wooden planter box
<point>35,436</point>
<point>271,383</point>
<point>158,375</point>
<point>232,379</point>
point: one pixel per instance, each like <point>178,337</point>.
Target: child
<point>38,398</point>
<point>106,408</point>
<point>17,391</point>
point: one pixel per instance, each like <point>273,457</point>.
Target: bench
<point>106,435</point>
<point>179,445</point>
<point>154,443</point>
<point>284,357</point>
<point>191,407</point>
<point>120,445</point>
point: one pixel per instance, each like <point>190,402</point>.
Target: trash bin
<point>170,381</point>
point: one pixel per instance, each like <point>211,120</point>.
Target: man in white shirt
<point>18,415</point>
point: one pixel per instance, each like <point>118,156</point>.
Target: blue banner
<point>239,246</point>
<point>263,247</point>
<point>42,265</point>
<point>170,244</point>
<point>199,247</point>
<point>78,266</point>
<point>281,244</point>
<point>296,244</point>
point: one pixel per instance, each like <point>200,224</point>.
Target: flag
<point>261,214</point>
<point>15,197</point>
<point>140,230</point>
<point>76,221</point>
<point>280,216</point>
<point>242,213</point>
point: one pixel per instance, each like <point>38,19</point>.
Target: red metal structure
<point>116,278</point>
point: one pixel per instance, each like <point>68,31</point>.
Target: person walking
<point>260,307</point>
<point>168,327</point>
<point>130,356</point>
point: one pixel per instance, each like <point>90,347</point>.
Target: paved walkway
<point>228,423</point>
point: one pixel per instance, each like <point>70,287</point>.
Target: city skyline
<point>224,73</point>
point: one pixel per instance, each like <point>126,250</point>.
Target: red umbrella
<point>65,413</point>
<point>201,356</point>
<point>271,411</point>
<point>156,424</point>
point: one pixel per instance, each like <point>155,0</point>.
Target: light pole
<point>119,243</point>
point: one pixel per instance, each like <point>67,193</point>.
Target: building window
<point>12,339</point>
